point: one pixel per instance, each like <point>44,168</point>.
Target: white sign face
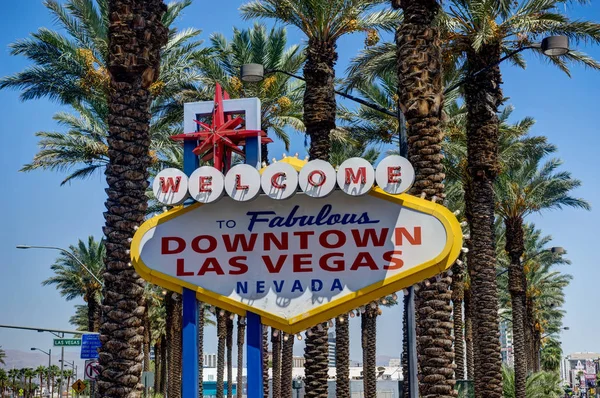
<point>317,178</point>
<point>170,186</point>
<point>291,260</point>
<point>395,174</point>
<point>356,176</point>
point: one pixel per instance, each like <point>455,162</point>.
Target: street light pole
<point>49,353</point>
<point>68,253</point>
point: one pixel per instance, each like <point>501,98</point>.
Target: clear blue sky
<point>39,211</point>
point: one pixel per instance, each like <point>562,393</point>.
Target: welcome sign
<point>300,261</point>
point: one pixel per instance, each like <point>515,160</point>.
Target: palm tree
<point>539,385</point>
<point>265,360</point>
<point>229,343</point>
<point>323,23</point>
<point>41,371</point>
<point>523,190</point>
<point>276,354</point>
<point>287,364</point>
<point>221,336</point>
<point>281,99</point>
<point>134,66</point>
<point>72,68</point>
<point>2,356</point>
<point>53,371</point>
<point>173,311</point>
<point>241,329</point>
<point>73,281</point>
<point>201,324</point>
<point>368,321</point>
<point>482,31</point>
<point>3,381</point>
<point>68,374</point>
<point>342,357</point>
<point>551,355</point>
<point>12,375</point>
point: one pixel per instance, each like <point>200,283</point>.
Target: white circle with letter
<point>355,176</point>
<point>242,183</point>
<point>206,184</point>
<point>170,187</point>
<point>395,174</point>
<point>279,181</point>
<point>317,178</point>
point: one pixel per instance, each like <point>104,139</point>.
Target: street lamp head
<point>252,73</point>
<point>33,348</point>
<point>23,247</point>
<point>566,328</point>
<point>555,45</point>
<point>558,250</point>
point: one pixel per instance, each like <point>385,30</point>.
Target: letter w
<point>239,240</point>
<point>369,234</point>
<point>169,184</point>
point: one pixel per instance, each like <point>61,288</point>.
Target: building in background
<point>331,350</point>
<point>506,339</point>
<point>210,360</point>
<point>394,363</point>
<point>298,362</point>
<point>578,367</point>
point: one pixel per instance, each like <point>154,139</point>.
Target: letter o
<point>212,244</point>
<point>308,180</point>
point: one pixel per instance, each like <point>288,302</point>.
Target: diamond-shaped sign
<point>79,386</point>
<point>300,261</point>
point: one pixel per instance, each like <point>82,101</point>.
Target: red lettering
<point>394,173</point>
<point>369,235</point>
<point>212,244</point>
<point>304,238</point>
<point>169,184</point>
<point>363,259</point>
<point>414,239</point>
<point>280,244</point>
<point>341,239</point>
<point>239,240</point>
<point>396,263</point>
<point>276,183</point>
<point>321,180</point>
<point>165,245</point>
<point>235,262</point>
<point>181,269</point>
<point>338,263</point>
<point>205,183</point>
<point>301,259</point>
<point>274,269</point>
<point>211,265</point>
<point>362,175</point>
<point>238,183</point>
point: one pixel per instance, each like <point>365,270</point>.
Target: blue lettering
<point>260,286</point>
<point>242,287</point>
<point>336,285</point>
<point>297,286</point>
<point>254,217</point>
<point>279,288</point>
<point>316,285</point>
<point>277,222</point>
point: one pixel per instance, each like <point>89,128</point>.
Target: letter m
<point>167,184</point>
<point>354,178</point>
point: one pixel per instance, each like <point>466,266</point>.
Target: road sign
<point>300,261</point>
<point>21,392</point>
<point>91,371</point>
<point>79,386</point>
<point>67,342</point>
<point>148,379</point>
<point>90,343</point>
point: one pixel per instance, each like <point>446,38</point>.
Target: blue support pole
<point>252,151</point>
<point>254,355</point>
<point>189,373</point>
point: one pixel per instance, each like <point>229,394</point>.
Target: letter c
<point>275,180</point>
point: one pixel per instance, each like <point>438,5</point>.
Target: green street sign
<point>67,342</point>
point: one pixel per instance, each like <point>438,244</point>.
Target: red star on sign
<point>224,136</point>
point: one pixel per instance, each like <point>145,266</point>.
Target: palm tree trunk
<point>133,64</point>
<point>276,351</point>
<point>315,366</point>
<point>319,96</point>
<point>515,248</point>
<point>405,384</point>
<point>458,295</point>
<point>529,329</point>
<point>482,98</point>
<point>469,334</point>
<point>241,331</point>
<point>68,388</point>
<point>342,357</point>
<point>163,365</point>
<point>221,336</point>
<point>229,343</point>
<point>368,323</point>
<point>147,340</point>
<point>174,315</point>
<point>201,315</point>
<point>265,354</point>
<point>421,95</point>
<point>287,364</point>
<point>157,366</point>
<point>93,312</point>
